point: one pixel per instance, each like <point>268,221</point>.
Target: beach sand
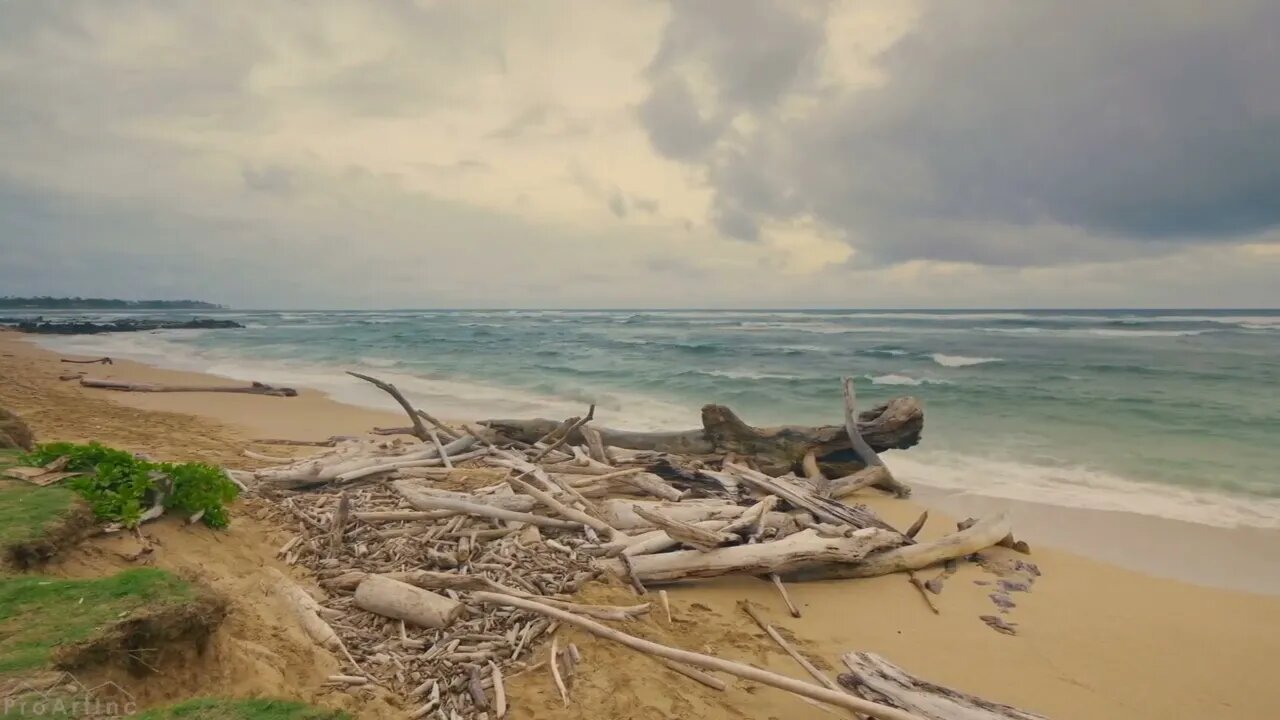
<point>1095,640</point>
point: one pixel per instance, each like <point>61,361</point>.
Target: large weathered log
<point>873,678</point>
<point>984,534</point>
<point>796,552</point>
<point>402,601</point>
<point>254,389</point>
<point>894,425</point>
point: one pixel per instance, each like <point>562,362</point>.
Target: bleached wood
<point>862,448</point>
<point>706,662</point>
<point>984,534</point>
<point>426,502</point>
<point>874,678</point>
<point>796,552</point>
<point>692,535</point>
<point>402,601</point>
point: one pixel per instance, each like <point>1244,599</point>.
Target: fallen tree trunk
<point>256,388</point>
<point>796,552</point>
<point>894,425</point>
<point>873,678</point>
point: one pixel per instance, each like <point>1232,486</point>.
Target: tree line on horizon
<point>58,303</point>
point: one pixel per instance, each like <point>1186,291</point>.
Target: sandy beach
<point>1182,622</point>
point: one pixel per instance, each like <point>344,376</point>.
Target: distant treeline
<point>76,303</point>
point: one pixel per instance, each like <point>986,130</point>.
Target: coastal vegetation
<point>123,488</point>
<point>46,302</point>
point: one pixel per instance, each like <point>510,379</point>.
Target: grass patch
<point>40,616</point>
<point>208,709</point>
<point>26,510</point>
<point>9,458</point>
<point>36,522</point>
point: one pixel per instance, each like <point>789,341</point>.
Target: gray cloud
<point>1136,122</point>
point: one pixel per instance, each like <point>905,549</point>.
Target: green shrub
<point>120,487</point>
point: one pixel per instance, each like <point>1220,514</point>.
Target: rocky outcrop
<point>83,327</point>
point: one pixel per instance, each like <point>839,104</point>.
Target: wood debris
<point>446,562</point>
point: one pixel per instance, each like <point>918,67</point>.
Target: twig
<point>786,598</point>
<point>591,413</point>
<point>555,670</point>
<point>915,582</point>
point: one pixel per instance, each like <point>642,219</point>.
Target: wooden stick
<point>917,526</point>
<point>706,662</point>
<point>666,604</point>
<point>782,590</point>
<point>574,514</point>
<point>555,669</point>
<point>786,646</point>
<point>499,691</point>
<point>444,456</point>
<point>915,582</point>
<point>419,430</point>
<point>714,683</point>
<point>591,413</point>
<point>339,524</point>
<point>860,446</point>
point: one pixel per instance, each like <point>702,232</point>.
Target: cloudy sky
<point>637,153</point>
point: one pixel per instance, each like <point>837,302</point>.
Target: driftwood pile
<point>438,594</point>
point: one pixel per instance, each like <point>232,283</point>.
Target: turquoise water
<point>1173,413</point>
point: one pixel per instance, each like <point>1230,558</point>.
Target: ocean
<point>1167,413</point>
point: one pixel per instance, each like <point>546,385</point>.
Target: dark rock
<point>82,327</point>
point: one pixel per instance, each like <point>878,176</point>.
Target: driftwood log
<point>256,388</point>
<point>96,361</point>
<point>402,601</point>
<point>894,425</point>
<point>796,552</point>
<point>873,678</point>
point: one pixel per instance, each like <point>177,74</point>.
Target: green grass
<point>241,710</point>
<point>9,458</point>
<point>38,614</point>
<point>27,510</point>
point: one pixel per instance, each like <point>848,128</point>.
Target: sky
<point>637,153</point>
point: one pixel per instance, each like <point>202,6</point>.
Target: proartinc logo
<point>65,696</point>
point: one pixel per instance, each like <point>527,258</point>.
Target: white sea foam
<point>962,360</point>
<point>446,397</point>
<point>1081,487</point>
<point>1092,332</point>
<point>898,379</point>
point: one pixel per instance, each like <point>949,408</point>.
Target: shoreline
<point>1095,641</point>
<point>1243,558</point>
